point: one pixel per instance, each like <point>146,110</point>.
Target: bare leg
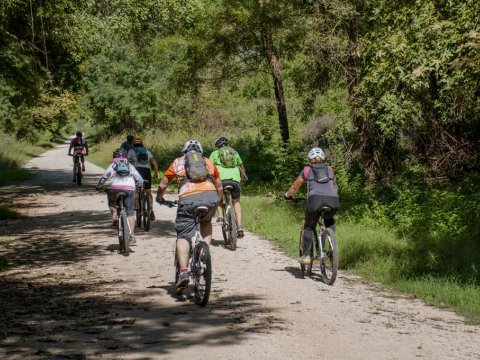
<point>131,222</point>
<point>238,212</point>
<point>183,249</point>
<point>206,231</point>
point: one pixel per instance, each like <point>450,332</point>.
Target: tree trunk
<point>274,63</point>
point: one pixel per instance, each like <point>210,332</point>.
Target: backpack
<point>195,166</point>
<point>121,166</point>
<point>320,173</point>
<point>227,156</point>
<point>142,155</point>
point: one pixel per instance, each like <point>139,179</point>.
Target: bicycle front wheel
<point>202,273</point>
<point>329,257</point>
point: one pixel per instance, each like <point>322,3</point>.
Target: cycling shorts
<point>236,188</point>
<point>129,200</point>
<point>76,158</point>
<point>146,174</point>
<point>185,221</point>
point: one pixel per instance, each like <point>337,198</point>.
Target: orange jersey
<point>177,170</point>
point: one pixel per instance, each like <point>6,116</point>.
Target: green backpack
<point>227,157</point>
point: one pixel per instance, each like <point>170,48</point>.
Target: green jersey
<point>230,173</point>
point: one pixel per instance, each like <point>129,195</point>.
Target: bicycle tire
<point>146,212</point>
<point>79,175</point>
<point>138,211</point>
<point>202,273</point>
<point>123,237</point>
<point>329,263</point>
<point>233,229</point>
<point>225,225</point>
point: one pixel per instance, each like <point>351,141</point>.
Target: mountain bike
<point>123,227</point>
<point>323,249</point>
<point>199,262</point>
<point>77,168</point>
<point>144,208</point>
<point>229,226</point>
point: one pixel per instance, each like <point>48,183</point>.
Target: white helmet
<point>192,145</point>
<point>316,152</point>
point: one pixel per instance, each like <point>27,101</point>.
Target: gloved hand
<point>286,197</point>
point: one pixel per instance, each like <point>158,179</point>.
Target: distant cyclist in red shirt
<point>80,148</point>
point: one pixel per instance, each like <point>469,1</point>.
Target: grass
<point>374,253</point>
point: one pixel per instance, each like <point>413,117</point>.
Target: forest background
<point>389,89</point>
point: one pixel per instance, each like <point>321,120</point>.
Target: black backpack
<point>320,173</point>
<point>195,166</point>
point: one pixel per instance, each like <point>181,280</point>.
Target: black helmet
<point>130,137</point>
<point>221,141</point>
<point>79,133</point>
<point>119,153</point>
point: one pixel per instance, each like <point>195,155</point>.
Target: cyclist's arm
<point>70,148</point>
<point>162,186</point>
<point>106,175</point>
<point>86,147</point>
<point>155,166</point>
<point>243,174</point>
<point>297,184</point>
<point>218,183</point>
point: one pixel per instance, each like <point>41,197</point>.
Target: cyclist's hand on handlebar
<point>288,198</point>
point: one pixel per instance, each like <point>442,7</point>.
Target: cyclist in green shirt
<point>232,172</point>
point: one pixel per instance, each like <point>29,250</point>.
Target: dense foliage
<point>390,89</point>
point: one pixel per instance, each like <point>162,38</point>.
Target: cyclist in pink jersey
<point>123,178</point>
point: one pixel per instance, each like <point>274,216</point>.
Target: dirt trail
<point>70,294</point>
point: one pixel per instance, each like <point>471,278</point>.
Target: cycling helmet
<point>130,137</point>
<point>120,152</point>
<point>221,141</point>
<point>316,152</point>
<point>79,134</point>
<point>138,140</point>
<point>192,145</point>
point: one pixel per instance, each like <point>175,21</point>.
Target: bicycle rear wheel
<point>329,257</point>
<point>226,226</point>
<point>123,234</point>
<point>145,212</point>
<point>138,210</point>
<point>202,273</point>
<point>233,228</point>
<point>79,174</point>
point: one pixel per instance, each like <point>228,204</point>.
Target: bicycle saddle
<point>228,187</point>
<point>121,194</point>
<point>325,209</point>
<point>201,210</point>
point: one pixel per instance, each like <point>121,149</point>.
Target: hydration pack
<point>142,155</point>
<point>227,156</point>
<point>195,167</point>
<point>320,173</point>
<point>121,166</point>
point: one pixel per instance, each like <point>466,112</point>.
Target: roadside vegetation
<point>395,107</point>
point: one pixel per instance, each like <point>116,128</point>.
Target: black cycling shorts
<point>146,174</point>
<point>185,221</point>
<point>236,188</point>
<point>129,200</point>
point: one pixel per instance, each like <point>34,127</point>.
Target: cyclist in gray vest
<point>322,190</point>
<point>143,160</point>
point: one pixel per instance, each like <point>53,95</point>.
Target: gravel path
<point>70,294</point>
